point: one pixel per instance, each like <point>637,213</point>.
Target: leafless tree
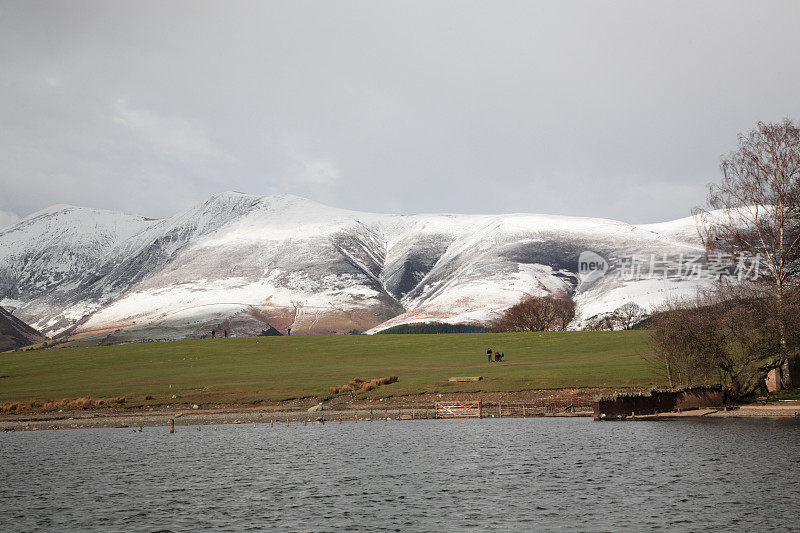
<point>600,323</point>
<point>628,315</point>
<point>728,335</point>
<point>536,313</point>
<point>755,211</point>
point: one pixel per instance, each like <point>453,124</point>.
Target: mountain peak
<point>53,209</point>
<point>230,194</point>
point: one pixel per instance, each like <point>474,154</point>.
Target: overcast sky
<point>609,109</point>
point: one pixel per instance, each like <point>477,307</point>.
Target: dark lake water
<point>428,475</point>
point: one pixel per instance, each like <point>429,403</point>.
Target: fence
<point>477,409</point>
<point>458,409</point>
<point>524,409</point>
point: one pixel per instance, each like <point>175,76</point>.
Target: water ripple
<point>497,475</point>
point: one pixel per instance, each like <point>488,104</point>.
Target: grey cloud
<point>7,219</point>
<point>608,109</point>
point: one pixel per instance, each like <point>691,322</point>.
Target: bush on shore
<point>86,402</point>
<point>362,385</point>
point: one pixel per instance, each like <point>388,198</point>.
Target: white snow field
<point>243,263</point>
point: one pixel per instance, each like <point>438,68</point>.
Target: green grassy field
<point>277,368</point>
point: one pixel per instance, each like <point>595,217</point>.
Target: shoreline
<point>549,402</point>
<point>522,404</point>
<point>735,411</point>
<point>208,417</point>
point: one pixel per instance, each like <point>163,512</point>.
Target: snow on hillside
<point>56,244</point>
<point>7,219</point>
<point>247,262</point>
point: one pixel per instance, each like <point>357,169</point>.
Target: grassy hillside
<point>276,368</point>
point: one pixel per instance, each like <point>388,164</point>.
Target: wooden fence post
<point>172,425</point>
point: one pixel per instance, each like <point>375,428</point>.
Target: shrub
<point>362,384</point>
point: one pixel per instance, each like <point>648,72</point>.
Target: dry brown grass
<point>362,385</point>
<point>85,402</point>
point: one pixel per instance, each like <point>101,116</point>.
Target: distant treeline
<point>434,327</point>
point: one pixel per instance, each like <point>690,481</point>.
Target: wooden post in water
<point>355,417</point>
<point>172,425</point>
<point>523,409</point>
<point>323,419</point>
<point>287,421</point>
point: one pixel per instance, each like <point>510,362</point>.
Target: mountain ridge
<point>246,261</point>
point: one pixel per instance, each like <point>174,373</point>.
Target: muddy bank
<point>561,402</point>
<point>564,402</point>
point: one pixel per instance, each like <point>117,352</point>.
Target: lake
<point>551,474</point>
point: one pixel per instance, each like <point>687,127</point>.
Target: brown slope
<point>14,333</point>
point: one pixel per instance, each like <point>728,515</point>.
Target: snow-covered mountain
<point>238,262</point>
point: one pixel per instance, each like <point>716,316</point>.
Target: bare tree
<point>628,315</point>
<point>600,323</point>
<point>755,211</point>
<point>683,337</point>
<point>728,335</point>
<point>564,313</point>
<point>536,313</point>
